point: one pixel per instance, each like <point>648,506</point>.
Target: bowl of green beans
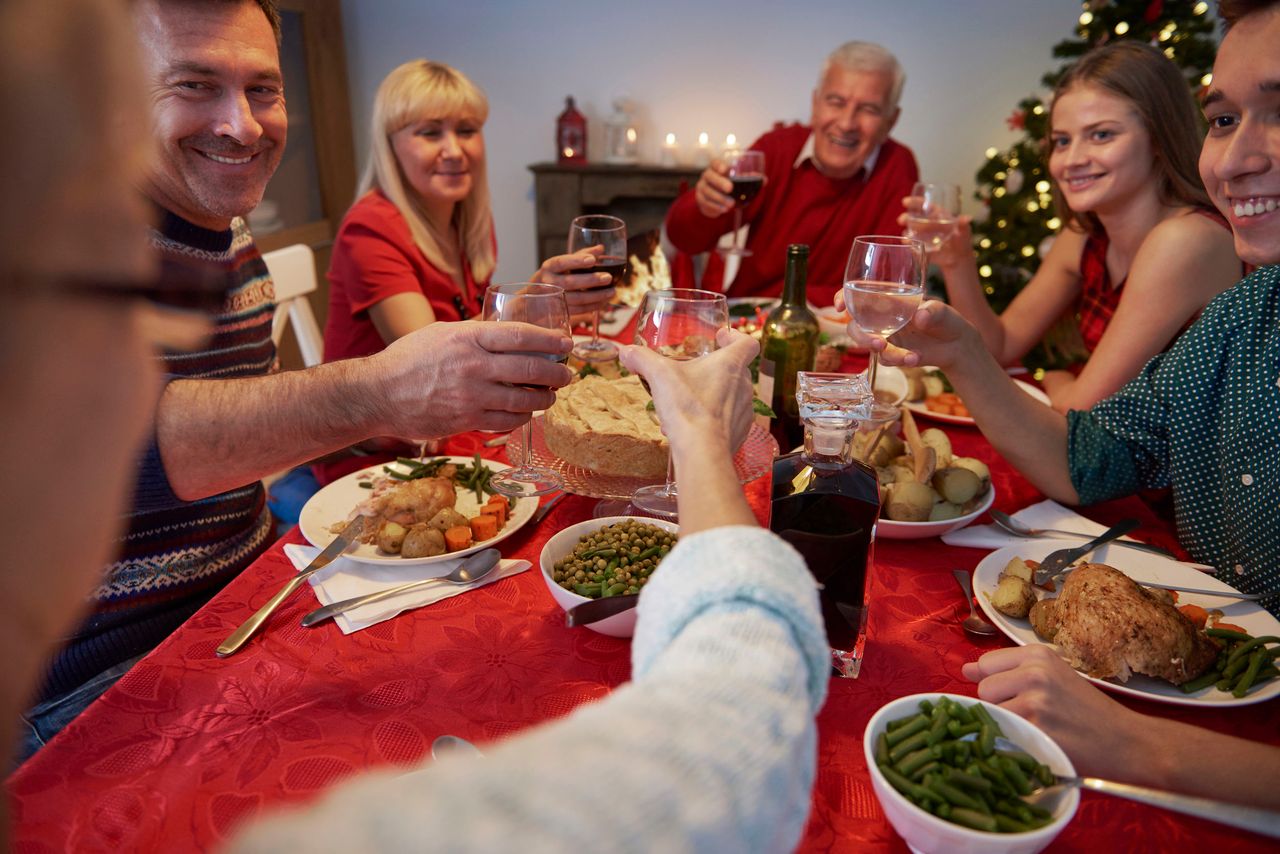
<point>602,558</point>
<point>945,787</point>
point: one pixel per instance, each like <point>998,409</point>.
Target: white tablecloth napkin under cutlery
<point>346,578</point>
<point>1046,514</point>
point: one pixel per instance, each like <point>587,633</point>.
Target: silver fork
<point>1013,526</point>
<point>1055,562</point>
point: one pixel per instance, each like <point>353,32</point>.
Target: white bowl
<point>892,530</point>
<point>927,833</point>
<point>619,625</point>
<point>834,323</point>
<point>892,383</point>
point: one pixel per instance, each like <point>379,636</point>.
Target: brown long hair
<point>414,91</point>
<point>1147,79</point>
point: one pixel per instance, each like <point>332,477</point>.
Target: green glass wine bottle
<point>788,345</point>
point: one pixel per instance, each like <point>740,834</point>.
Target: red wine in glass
<point>746,188</point>
<point>562,358</point>
<point>615,266</point>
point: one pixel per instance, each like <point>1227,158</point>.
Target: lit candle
<point>670,151</point>
<point>730,142</point>
<point>702,157</point>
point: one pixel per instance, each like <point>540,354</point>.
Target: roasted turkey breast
<point>1109,626</point>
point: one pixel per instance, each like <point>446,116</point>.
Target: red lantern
<point>571,134</point>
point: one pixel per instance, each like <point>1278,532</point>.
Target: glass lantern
<point>621,139</point>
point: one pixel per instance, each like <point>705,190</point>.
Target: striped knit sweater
<point>176,554</point>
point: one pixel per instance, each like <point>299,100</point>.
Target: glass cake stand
<point>614,491</point>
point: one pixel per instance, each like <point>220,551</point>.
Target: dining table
<point>188,746</point>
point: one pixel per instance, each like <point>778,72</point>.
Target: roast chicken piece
<point>405,503</point>
<point>1109,626</point>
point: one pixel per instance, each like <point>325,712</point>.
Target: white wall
<point>716,65</point>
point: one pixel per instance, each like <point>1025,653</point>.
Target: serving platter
<point>336,503</point>
<point>751,461</point>
<point>1140,566</point>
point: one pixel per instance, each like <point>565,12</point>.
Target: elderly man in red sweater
<point>824,184</point>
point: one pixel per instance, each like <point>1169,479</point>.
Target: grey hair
<point>868,56</point>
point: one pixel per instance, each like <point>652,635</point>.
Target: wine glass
<point>883,285</point>
<point>935,220</point>
<point>680,323</point>
<point>540,305</point>
<point>611,233</point>
<point>746,171</point>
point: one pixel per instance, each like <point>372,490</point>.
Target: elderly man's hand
<point>708,398</point>
<point>713,189</point>
<point>584,291</point>
<point>450,377</point>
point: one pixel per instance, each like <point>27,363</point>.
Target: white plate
<point>1140,566</point>
<point>335,502</point>
<point>834,323</point>
<point>918,407</point>
<point>892,530</point>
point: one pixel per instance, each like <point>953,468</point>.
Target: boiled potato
<point>446,519</point>
<point>976,466</point>
<point>1044,618</point>
<point>933,385</point>
<point>956,485</point>
<point>1018,569</point>
<point>909,501</point>
<point>1013,596</point>
<point>941,444</point>
<point>944,510</point>
<point>915,383</point>
<point>902,474</point>
<point>423,541</point>
<point>391,537</point>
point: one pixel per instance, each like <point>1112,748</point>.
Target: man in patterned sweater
<point>224,421</point>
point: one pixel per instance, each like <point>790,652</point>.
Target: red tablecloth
<point>187,745</point>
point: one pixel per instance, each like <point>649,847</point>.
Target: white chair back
<point>293,271</point>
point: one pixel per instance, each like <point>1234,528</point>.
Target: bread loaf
<point>604,425</point>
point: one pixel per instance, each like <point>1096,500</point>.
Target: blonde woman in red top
<point>1142,250</point>
<point>418,245</point>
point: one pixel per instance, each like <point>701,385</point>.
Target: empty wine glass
<point>935,219</point>
<point>540,305</point>
<point>611,233</point>
<point>883,285</point>
<point>746,171</point>
<point>679,323</point>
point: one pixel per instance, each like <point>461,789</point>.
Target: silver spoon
<point>1255,819</point>
<point>474,568</point>
<point>453,744</point>
<point>1013,526</point>
<point>974,624</point>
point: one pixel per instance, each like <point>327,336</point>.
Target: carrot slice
<point>458,538</point>
<point>1195,614</point>
<point>484,526</point>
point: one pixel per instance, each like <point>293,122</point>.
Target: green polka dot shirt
<point>1202,418</point>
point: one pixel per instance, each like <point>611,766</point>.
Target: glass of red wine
<point>680,323</point>
<point>746,171</point>
<point>883,286</point>
<point>540,305</point>
<point>611,233</point>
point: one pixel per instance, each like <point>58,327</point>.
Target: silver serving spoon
<point>1255,819</point>
<point>974,624</point>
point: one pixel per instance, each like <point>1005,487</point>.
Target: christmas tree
<point>1013,184</point>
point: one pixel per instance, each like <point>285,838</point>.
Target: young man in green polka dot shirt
<point>1202,419</point>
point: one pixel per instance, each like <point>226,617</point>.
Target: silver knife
<point>335,549</point>
<point>474,568</point>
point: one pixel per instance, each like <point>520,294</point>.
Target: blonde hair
<point>418,90</point>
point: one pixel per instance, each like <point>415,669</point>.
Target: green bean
<point>976,820</point>
<point>926,708</point>
<point>882,750</point>
<point>1209,678</point>
<point>613,590</point>
<point>907,745</point>
<point>1017,777</point>
<point>911,790</point>
<point>913,762</point>
<point>985,717</point>
<point>986,741</point>
<point>960,713</point>
<point>968,781</point>
<point>908,729</point>
<point>365,484</point>
<point>931,768</point>
<point>1009,825</point>
<point>1025,760</point>
<point>1250,674</point>
<point>938,731</point>
<point>1235,668</point>
<point>1248,647</point>
<point>960,729</point>
<point>956,797</point>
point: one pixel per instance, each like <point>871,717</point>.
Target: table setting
<point>190,743</point>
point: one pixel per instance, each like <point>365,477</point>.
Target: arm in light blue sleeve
<point>712,747</point>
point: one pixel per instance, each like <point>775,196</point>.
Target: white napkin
<point>621,317</point>
<point>345,578</point>
<point>1046,514</point>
